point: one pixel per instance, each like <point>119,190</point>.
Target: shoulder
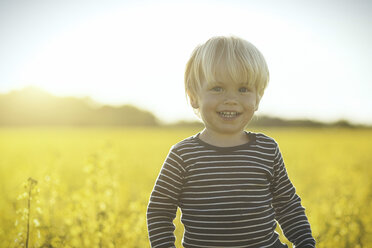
<point>186,144</point>
<point>265,141</point>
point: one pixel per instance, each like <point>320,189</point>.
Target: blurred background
<point>92,99</point>
<point>134,53</point>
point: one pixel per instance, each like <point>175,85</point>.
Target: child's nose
<point>230,98</point>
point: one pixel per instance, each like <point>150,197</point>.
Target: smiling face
<point>225,79</point>
<point>226,108</point>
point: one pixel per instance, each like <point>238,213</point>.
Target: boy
<point>231,185</point>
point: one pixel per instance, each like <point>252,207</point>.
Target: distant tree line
<point>34,107</point>
<point>267,121</point>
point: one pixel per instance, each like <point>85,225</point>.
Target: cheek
<point>209,102</point>
<point>251,105</point>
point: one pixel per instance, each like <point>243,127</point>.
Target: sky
<point>319,52</point>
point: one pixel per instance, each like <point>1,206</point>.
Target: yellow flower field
<point>89,187</point>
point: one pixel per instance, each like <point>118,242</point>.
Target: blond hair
<point>226,59</point>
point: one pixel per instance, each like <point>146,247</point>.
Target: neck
<point>223,140</point>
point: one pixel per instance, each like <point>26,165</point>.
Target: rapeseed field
<point>89,187</point>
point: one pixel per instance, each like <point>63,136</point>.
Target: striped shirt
<point>228,196</point>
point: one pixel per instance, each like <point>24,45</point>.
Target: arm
<point>163,202</point>
<point>288,209</point>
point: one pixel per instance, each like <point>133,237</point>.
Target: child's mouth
<point>228,114</point>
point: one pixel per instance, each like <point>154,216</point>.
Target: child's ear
<point>194,103</point>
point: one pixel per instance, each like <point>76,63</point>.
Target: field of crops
<point>89,187</point>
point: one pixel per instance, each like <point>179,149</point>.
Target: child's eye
<point>244,89</point>
<point>217,89</point>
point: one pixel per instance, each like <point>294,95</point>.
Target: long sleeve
<point>288,209</point>
<point>162,207</point>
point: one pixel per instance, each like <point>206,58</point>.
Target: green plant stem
<point>28,215</point>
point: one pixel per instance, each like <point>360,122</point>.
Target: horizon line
<point>99,103</point>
